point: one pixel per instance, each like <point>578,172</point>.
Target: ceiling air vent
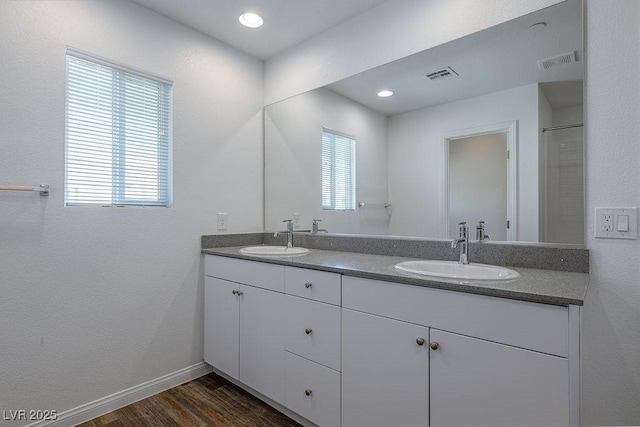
<point>565,58</point>
<point>442,74</point>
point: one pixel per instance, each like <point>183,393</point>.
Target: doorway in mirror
<point>480,180</point>
<point>478,183</point>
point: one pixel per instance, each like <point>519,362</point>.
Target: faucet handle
<point>289,225</point>
<point>463,229</point>
<point>316,221</point>
<point>480,232</point>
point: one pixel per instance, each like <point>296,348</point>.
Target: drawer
<point>534,326</point>
<point>312,390</point>
<point>312,330</point>
<point>254,273</point>
<point>312,284</point>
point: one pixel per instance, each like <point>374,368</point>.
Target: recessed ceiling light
<point>385,93</point>
<point>251,20</point>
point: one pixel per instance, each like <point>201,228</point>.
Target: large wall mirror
<point>484,128</point>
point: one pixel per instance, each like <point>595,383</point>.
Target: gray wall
<point>416,153</point>
<point>611,315</point>
<point>96,300</point>
<point>293,166</point>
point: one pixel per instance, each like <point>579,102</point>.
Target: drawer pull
<point>308,392</point>
<point>308,331</point>
<point>308,285</point>
<point>434,345</point>
<point>420,341</point>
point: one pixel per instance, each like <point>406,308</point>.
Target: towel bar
<point>42,188</point>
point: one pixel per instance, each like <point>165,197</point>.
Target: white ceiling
<point>495,59</point>
<point>286,22</point>
<point>498,58</point>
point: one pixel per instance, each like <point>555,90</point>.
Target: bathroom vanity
<point>345,339</point>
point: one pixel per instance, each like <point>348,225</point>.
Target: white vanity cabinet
<point>244,322</point>
<point>285,346</point>
<point>505,364</point>
<point>345,351</point>
<point>222,325</point>
<point>312,341</point>
<point>385,371</point>
<point>475,382</point>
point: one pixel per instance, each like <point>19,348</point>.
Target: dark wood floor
<point>208,401</point>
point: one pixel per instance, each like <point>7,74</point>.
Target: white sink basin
<point>456,271</point>
<point>273,250</point>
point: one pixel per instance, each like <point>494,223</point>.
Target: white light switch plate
<point>607,219</point>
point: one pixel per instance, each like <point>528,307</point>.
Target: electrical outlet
<point>296,220</point>
<point>616,223</point>
<point>222,220</point>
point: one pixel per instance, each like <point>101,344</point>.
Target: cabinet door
<point>385,373</point>
<point>262,341</point>
<point>481,383</point>
<point>221,325</point>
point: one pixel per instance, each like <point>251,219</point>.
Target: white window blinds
<point>338,171</point>
<point>118,125</point>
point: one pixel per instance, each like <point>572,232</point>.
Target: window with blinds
<point>118,131</point>
<point>338,171</point>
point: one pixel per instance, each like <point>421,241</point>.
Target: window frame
<point>348,203</point>
<point>152,147</point>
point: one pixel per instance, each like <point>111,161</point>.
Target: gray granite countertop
<point>544,286</point>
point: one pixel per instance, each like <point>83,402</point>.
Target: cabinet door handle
<point>308,331</point>
<point>239,293</point>
<point>234,292</point>
<point>420,341</point>
<point>308,392</point>
<point>434,345</point>
<point>308,285</point>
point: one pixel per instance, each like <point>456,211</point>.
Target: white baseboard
<point>118,400</point>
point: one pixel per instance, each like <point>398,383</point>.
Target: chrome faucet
<point>462,242</point>
<point>480,234</point>
<point>289,232</point>
<point>315,225</point>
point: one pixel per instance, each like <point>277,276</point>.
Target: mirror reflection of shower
<point>563,209</point>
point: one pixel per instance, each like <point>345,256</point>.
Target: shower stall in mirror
<point>563,184</point>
